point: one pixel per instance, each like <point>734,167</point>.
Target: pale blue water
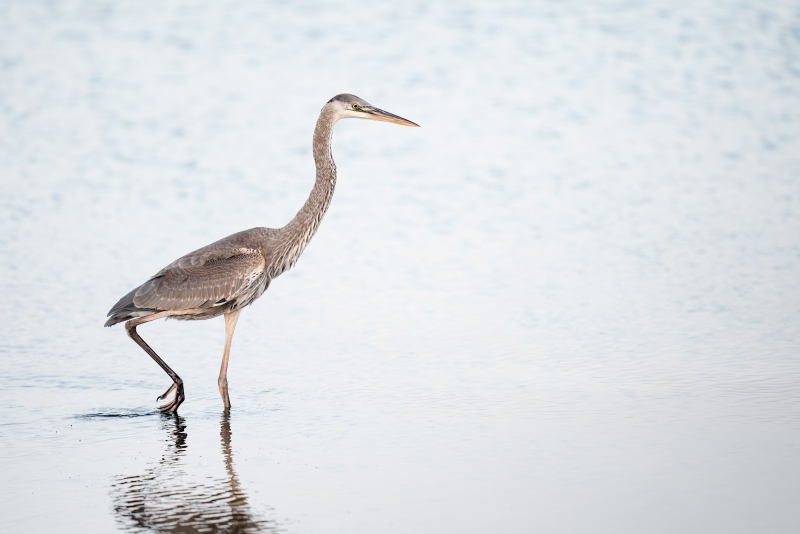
<point>568,303</point>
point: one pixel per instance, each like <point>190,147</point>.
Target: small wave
<point>103,415</point>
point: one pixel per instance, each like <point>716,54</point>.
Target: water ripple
<point>166,498</point>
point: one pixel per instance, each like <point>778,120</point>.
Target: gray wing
<point>207,277</point>
<point>204,278</point>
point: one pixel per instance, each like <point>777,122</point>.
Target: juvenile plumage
<point>229,274</point>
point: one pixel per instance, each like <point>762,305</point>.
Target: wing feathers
<point>201,279</point>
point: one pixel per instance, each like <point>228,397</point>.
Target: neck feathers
<point>295,236</point>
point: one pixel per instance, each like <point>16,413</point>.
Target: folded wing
<point>201,280</point>
<point>204,278</point>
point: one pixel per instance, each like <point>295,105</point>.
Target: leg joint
<point>130,328</point>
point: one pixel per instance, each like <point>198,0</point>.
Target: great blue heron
<point>225,276</point>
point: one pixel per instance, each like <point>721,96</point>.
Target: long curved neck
<point>296,235</point>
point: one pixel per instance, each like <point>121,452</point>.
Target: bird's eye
<point>356,106</point>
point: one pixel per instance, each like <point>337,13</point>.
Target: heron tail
<point>125,309</point>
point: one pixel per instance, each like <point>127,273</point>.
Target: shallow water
<point>568,303</point>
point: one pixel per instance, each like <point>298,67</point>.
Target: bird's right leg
<point>177,383</point>
<point>230,325</point>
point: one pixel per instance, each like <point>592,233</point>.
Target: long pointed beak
<point>380,115</point>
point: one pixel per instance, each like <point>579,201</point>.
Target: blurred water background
<point>568,303</point>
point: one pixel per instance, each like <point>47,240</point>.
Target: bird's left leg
<point>177,383</point>
<point>230,325</point>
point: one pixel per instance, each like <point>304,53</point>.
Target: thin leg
<point>230,326</point>
<point>177,383</point>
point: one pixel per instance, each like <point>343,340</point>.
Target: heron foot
<point>164,395</point>
<point>172,406</point>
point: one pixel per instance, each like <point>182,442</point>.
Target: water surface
<point>568,303</point>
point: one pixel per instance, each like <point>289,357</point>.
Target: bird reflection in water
<point>164,499</point>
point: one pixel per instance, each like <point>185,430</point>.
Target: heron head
<point>347,106</point>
